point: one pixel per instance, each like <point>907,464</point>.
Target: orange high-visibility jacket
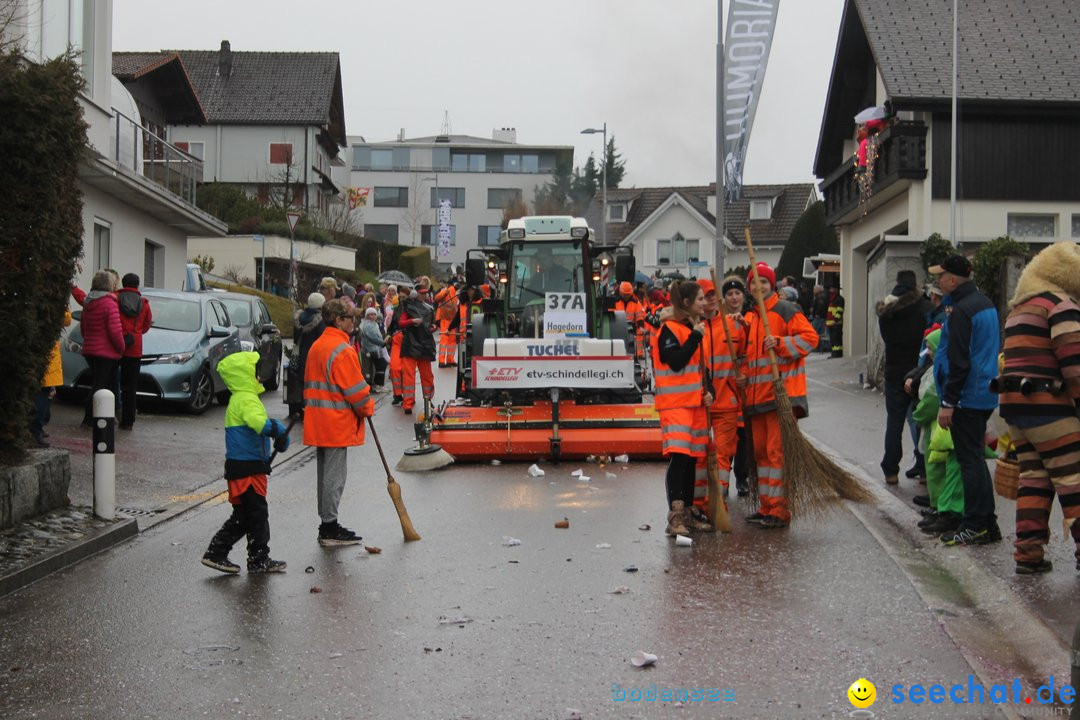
<point>796,340</point>
<point>721,365</point>
<point>677,388</point>
<point>336,396</point>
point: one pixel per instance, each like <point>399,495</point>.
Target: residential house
<point>673,229</point>
<point>1018,136</point>
<point>138,191</point>
<point>406,178</point>
<point>274,121</point>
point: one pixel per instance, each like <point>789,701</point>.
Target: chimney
<point>401,135</point>
<point>225,60</point>
<point>507,135</point>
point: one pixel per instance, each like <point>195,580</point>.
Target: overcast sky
<point>548,68</point>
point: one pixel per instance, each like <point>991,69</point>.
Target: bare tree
<point>13,20</point>
<point>284,186</point>
<point>417,213</point>
<point>338,219</point>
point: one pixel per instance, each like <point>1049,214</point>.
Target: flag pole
<point>719,251</point>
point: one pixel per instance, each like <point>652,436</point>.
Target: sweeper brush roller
<point>528,432</point>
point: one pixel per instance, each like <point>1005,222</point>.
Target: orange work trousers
<point>725,440</point>
<point>447,347</point>
<point>395,363</point>
<point>769,456</point>
<point>409,366</point>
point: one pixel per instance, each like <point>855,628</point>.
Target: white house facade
<point>673,229</point>
<point>137,214</point>
<point>404,179</point>
<point>1019,113</point>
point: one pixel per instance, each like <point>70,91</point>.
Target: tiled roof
<point>1009,50</point>
<point>133,65</point>
<point>790,202</point>
<point>266,88</point>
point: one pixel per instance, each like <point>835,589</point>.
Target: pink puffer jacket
<point>102,333</point>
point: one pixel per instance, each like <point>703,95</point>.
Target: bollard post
<point>104,455</point>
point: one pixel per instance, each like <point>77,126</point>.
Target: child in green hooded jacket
<point>943,480</point>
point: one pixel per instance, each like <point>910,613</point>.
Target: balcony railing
<point>134,147</point>
<point>901,156</point>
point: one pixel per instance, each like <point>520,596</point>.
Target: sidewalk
<point>850,420</point>
<point>170,463</point>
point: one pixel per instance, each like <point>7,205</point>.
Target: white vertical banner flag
<point>748,39</point>
<point>444,228</point>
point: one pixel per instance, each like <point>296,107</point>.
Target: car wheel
<point>202,393</point>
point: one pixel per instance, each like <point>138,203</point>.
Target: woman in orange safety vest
<point>792,338</point>
<point>725,411</point>
<point>681,399</point>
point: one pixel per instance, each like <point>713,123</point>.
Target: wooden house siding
<point>1021,158</point>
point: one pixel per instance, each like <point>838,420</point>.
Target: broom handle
<point>761,302</point>
<point>371,424</point>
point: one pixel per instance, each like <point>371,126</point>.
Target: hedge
<point>44,139</point>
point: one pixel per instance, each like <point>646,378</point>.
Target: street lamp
<point>603,180</point>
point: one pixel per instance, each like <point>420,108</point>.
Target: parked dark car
<point>257,332</point>
<point>191,333</point>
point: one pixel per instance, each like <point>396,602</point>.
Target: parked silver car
<point>257,332</point>
<point>191,333</point>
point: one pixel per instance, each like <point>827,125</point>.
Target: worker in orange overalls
<point>681,400</point>
<point>723,373</point>
<point>635,315</point>
<point>446,309</point>
<point>394,333</point>
<point>792,338</point>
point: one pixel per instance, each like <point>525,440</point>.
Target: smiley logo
<point>862,693</point>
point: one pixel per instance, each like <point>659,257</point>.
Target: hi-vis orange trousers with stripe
<point>395,363</point>
<point>769,453</point>
<point>724,427</point>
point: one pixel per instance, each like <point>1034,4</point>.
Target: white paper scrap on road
<point>535,471</point>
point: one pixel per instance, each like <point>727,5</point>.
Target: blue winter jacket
<point>966,360</point>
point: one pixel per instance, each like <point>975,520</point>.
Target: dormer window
<point>616,212</point>
<point>761,209</point>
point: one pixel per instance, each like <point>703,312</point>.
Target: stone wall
<point>35,487</point>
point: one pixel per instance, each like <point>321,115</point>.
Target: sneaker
<point>408,411</point>
<point>698,521</point>
<point>742,488</point>
<point>222,564</point>
<point>921,500</point>
<point>943,524</point>
<point>1034,568</point>
<point>755,518</point>
<point>968,536</point>
<point>914,472</point>
<point>892,480</point>
<point>333,535</point>
<point>677,519</point>
<point>266,565</point>
<point>397,401</point>
<point>40,441</point>
<point>771,522</point>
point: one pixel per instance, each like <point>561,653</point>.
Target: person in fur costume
<point>1040,385</point>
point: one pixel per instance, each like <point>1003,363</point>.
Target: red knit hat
<point>764,271</point>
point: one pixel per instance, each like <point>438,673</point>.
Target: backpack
<point>130,303</point>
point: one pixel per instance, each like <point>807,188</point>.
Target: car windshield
<point>174,314</point>
<point>239,311</point>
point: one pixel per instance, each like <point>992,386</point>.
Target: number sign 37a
<point>565,301</point>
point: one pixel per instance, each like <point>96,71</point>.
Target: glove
<point>129,340</point>
<point>275,428</point>
<point>281,444</point>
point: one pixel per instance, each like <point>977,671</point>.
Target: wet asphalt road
<point>784,619</point>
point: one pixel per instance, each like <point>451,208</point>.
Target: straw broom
<point>395,492</point>
<point>812,481</point>
<point>740,394</point>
